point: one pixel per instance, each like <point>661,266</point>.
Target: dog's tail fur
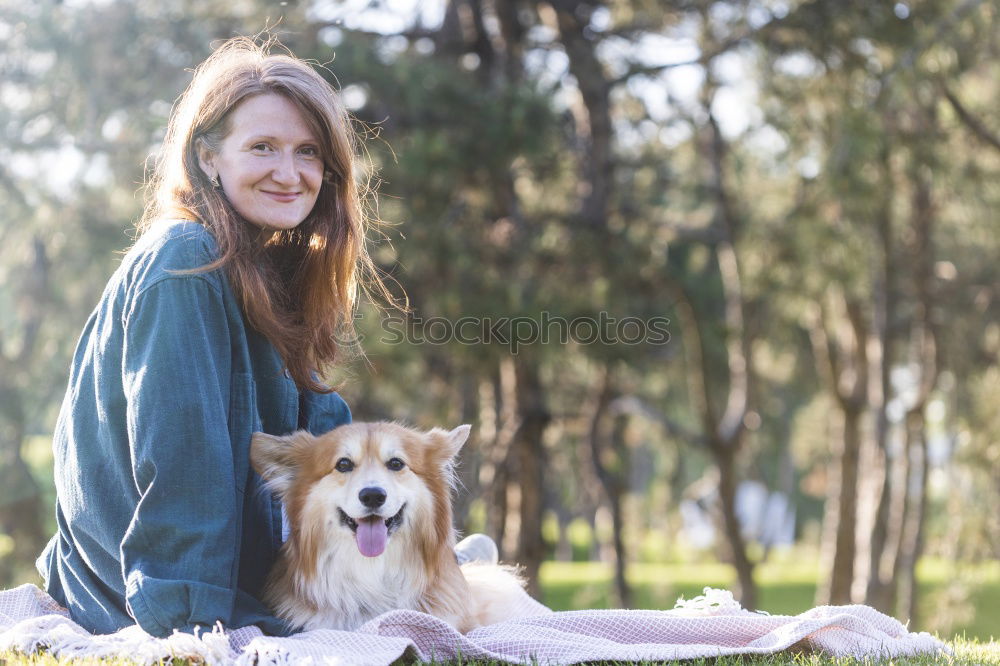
<point>496,589</point>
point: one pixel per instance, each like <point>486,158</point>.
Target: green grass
<point>952,603</point>
<point>967,653</point>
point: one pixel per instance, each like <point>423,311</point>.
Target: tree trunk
<point>723,436</point>
<point>898,514</point>
<point>746,591</point>
<point>913,528</point>
<point>726,436</point>
<point>872,588</point>
<point>926,353</point>
<point>564,549</point>
<point>612,477</point>
<point>620,488</point>
<point>450,38</point>
<point>840,524</point>
<point>534,417</point>
<point>594,118</point>
<point>839,344</point>
<point>500,402</point>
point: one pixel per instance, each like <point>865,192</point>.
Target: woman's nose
<point>285,171</point>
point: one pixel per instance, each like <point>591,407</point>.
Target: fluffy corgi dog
<point>369,506</point>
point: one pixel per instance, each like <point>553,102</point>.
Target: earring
<point>327,176</point>
<point>215,182</point>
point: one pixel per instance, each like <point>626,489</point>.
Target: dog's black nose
<point>372,497</point>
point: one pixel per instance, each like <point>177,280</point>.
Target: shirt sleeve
<point>180,553</point>
<point>325,411</point>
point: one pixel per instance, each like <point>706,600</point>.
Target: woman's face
<point>269,164</point>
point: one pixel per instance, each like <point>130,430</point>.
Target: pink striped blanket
<point>708,626</point>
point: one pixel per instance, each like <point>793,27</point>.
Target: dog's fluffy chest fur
<point>346,591</point>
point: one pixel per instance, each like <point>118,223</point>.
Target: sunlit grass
<point>787,586</point>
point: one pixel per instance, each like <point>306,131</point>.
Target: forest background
<point>710,279</point>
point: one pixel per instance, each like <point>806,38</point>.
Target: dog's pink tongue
<point>371,536</point>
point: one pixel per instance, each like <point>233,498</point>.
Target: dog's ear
<point>454,439</point>
<point>276,458</point>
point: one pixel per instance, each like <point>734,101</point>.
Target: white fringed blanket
<point>709,626</point>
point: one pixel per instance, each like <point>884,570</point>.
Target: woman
<point>217,324</point>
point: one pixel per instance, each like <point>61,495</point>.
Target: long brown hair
<point>298,287</point>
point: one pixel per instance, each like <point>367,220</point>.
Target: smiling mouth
<point>282,196</point>
<point>372,532</point>
<point>391,523</point>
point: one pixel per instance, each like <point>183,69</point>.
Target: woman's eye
<point>395,464</point>
<point>310,151</point>
<point>344,465</point>
<point>260,147</point>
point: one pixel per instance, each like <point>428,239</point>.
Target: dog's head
<point>366,481</point>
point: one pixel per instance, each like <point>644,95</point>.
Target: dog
<point>369,507</point>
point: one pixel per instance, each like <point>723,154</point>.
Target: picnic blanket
<point>711,625</point>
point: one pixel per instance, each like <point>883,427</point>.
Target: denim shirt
<point>161,519</point>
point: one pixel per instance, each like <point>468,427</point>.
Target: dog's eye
<point>344,465</point>
<point>395,464</point>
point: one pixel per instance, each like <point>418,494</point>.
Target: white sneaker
<point>477,548</point>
